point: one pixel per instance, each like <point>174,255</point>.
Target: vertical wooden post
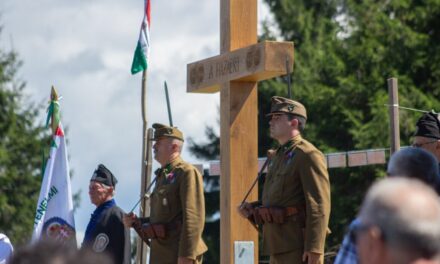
<point>147,134</point>
<point>394,114</point>
<point>239,130</point>
<point>235,73</point>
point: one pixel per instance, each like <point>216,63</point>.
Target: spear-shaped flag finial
<point>53,111</point>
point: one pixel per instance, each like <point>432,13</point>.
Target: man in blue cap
<point>105,232</point>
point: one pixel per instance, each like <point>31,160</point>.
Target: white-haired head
<point>406,214</point>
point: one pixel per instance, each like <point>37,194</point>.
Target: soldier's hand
<point>311,258</point>
<point>246,209</point>
<point>183,260</point>
<point>128,219</point>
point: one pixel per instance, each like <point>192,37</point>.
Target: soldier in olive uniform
<point>177,216</point>
<point>295,206</point>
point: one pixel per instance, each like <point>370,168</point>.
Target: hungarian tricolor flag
<point>54,213</point>
<point>141,54</point>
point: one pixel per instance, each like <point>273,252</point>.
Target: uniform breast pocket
<point>276,189</point>
<point>163,200</point>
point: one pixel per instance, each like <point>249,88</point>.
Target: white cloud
<point>85,49</point>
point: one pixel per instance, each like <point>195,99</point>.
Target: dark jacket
<point>110,236</point>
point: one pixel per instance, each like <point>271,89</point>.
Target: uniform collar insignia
<point>171,165</point>
<point>168,170</point>
<point>291,144</point>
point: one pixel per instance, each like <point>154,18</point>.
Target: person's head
<point>54,252</point>
<point>88,256</point>
<point>44,252</point>
<point>102,185</point>
<point>427,135</point>
<point>399,223</point>
<point>168,143</point>
<point>415,163</point>
<point>287,118</point>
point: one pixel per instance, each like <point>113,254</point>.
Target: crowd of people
<point>399,219</point>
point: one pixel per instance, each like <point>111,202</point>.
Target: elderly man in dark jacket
<point>105,232</point>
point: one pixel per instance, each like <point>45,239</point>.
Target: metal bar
<point>168,104</point>
<point>256,180</point>
<point>411,109</point>
<point>146,195</point>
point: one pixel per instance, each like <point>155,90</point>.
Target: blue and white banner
<point>54,214</point>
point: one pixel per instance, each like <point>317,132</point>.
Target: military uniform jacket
<point>297,176</point>
<point>178,196</point>
<point>111,237</point>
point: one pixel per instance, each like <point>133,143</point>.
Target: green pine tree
<point>21,154</point>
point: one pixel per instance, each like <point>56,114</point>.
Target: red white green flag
<point>141,54</point>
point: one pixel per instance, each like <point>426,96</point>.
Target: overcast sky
<point>85,48</point>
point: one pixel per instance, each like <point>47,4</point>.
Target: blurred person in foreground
<point>409,163</point>
<point>6,248</point>
<point>53,252</point>
<point>399,223</point>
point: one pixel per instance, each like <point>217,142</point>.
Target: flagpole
<point>144,210</point>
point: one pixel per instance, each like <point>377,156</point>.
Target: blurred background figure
<point>427,135</point>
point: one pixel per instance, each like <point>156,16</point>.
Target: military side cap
<point>161,130</point>
<point>104,176</point>
<point>428,126</point>
<point>288,106</point>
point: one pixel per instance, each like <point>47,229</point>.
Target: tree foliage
<point>21,145</point>
<point>345,50</point>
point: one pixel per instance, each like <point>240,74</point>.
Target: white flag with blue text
<point>54,214</point>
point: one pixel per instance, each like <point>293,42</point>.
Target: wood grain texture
<point>239,130</point>
<point>393,101</point>
<point>235,73</point>
<point>239,163</point>
<point>255,63</point>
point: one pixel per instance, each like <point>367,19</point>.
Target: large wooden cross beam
<point>235,73</point>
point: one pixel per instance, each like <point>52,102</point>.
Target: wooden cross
<point>235,73</point>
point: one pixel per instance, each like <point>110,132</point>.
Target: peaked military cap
<point>104,176</point>
<point>428,126</point>
<point>288,106</point>
<point>161,130</point>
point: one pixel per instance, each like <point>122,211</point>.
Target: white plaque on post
<point>243,252</point>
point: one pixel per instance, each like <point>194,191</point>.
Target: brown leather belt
<point>153,231</point>
<point>293,210</point>
<point>174,225</point>
<point>275,214</point>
